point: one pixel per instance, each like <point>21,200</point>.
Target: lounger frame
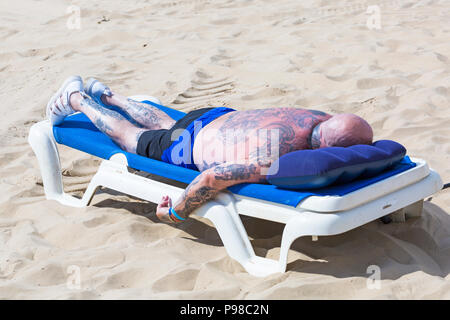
<point>401,196</point>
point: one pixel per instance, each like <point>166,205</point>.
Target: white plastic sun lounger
<point>317,215</point>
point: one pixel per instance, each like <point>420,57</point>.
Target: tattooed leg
<point>144,114</point>
<point>110,122</point>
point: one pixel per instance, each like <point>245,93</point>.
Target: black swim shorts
<point>152,143</point>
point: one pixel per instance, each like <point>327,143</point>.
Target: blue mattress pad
<point>78,132</point>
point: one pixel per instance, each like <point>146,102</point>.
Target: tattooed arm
<point>206,187</point>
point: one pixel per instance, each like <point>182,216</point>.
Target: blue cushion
<point>312,169</point>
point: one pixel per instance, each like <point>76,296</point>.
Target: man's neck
<point>314,137</point>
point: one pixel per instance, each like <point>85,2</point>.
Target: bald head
<point>345,129</point>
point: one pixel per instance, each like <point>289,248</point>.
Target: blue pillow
<point>312,169</point>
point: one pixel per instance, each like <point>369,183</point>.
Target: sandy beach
<point>325,55</point>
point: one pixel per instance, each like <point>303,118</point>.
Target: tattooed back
<point>254,137</point>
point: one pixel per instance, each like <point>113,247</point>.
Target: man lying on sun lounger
<point>145,130</point>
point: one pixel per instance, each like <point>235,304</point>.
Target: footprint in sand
<point>204,87</point>
<point>79,174</point>
<point>183,280</point>
<point>371,83</point>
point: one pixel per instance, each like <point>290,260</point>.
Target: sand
<point>242,54</point>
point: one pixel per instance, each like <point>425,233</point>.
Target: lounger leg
<point>295,228</point>
<point>398,216</point>
<point>309,224</point>
<point>223,214</point>
<point>414,210</point>
<point>45,148</point>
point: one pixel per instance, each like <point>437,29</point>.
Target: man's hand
<point>162,210</point>
<point>206,186</point>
